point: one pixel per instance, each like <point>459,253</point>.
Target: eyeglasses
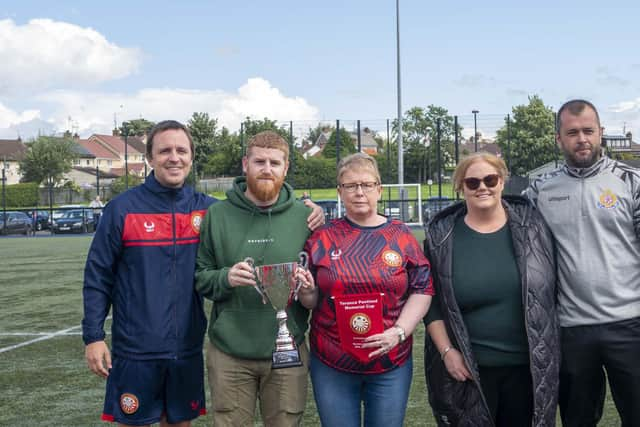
<point>490,181</point>
<point>352,187</point>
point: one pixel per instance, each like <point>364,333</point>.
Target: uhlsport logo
<point>608,200</point>
<point>196,221</point>
<point>392,258</point>
<point>129,403</point>
<point>360,323</point>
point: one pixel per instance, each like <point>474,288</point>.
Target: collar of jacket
<point>590,171</point>
<point>518,211</point>
<point>237,198</point>
<point>154,186</point>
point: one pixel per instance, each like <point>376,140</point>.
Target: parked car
<point>74,221</point>
<point>433,205</point>
<point>41,220</point>
<point>58,213</point>
<point>16,223</point>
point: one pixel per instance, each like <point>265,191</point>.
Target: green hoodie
<point>234,229</point>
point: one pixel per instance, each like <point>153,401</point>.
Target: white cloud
<point>9,117</point>
<point>632,106</point>
<point>44,54</point>
<point>93,112</point>
<point>624,115</point>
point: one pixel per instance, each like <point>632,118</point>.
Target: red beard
<point>263,189</point>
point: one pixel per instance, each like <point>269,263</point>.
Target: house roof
<point>12,149</point>
<point>82,151</point>
<point>97,149</point>
<point>367,139</point>
<point>92,171</point>
<point>312,151</point>
<point>116,143</point>
<point>134,168</point>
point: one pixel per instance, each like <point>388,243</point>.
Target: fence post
<point>439,160</point>
<point>509,143</point>
<point>337,141</point>
<point>456,144</point>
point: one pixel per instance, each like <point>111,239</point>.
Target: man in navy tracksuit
<point>141,263</point>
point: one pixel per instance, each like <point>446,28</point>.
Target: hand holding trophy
<point>277,285</point>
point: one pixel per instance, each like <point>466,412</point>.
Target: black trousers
<point>509,394</point>
<point>587,351</point>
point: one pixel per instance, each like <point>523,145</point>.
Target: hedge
<point>21,195</point>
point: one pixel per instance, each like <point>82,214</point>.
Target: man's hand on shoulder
<point>98,358</point>
<point>316,217</point>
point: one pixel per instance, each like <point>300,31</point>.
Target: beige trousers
<point>237,383</point>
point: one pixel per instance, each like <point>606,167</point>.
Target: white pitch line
<point>42,338</point>
<point>34,334</point>
<point>39,334</point>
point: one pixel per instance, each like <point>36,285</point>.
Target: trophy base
<point>285,359</point>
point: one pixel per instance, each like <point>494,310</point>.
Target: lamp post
<point>125,131</point>
<point>475,129</point>
<point>427,153</point>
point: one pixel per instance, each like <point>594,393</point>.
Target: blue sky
<point>77,64</point>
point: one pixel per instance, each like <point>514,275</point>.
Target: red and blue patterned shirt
<point>347,259</point>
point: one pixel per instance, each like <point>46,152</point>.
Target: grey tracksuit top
<point>594,215</point>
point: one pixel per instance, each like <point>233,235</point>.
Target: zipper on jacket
<point>582,197</point>
<point>174,272</point>
<point>525,312</point>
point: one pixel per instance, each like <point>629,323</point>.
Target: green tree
<point>388,162</point>
<point>252,127</point>
<point>347,145</point>
<point>47,159</point>
<point>532,141</point>
<point>226,159</point>
<point>203,131</point>
<point>419,139</point>
<point>314,172</point>
<point>136,127</point>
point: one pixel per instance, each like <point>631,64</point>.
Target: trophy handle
<point>257,287</point>
<point>303,262</point>
<point>303,259</point>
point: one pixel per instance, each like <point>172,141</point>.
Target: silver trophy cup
<point>277,285</point>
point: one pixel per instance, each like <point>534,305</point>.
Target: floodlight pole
<point>402,191</point>
<point>400,147</point>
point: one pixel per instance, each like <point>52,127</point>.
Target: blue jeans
<point>339,395</point>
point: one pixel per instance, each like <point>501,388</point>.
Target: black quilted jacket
<point>462,403</point>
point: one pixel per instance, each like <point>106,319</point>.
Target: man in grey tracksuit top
<point>592,206</point>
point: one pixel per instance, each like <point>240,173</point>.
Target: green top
<point>488,290</point>
<point>234,229</point>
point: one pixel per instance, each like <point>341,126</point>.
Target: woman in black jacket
<point>492,351</point>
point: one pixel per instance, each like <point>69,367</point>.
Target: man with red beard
<point>261,219</point>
